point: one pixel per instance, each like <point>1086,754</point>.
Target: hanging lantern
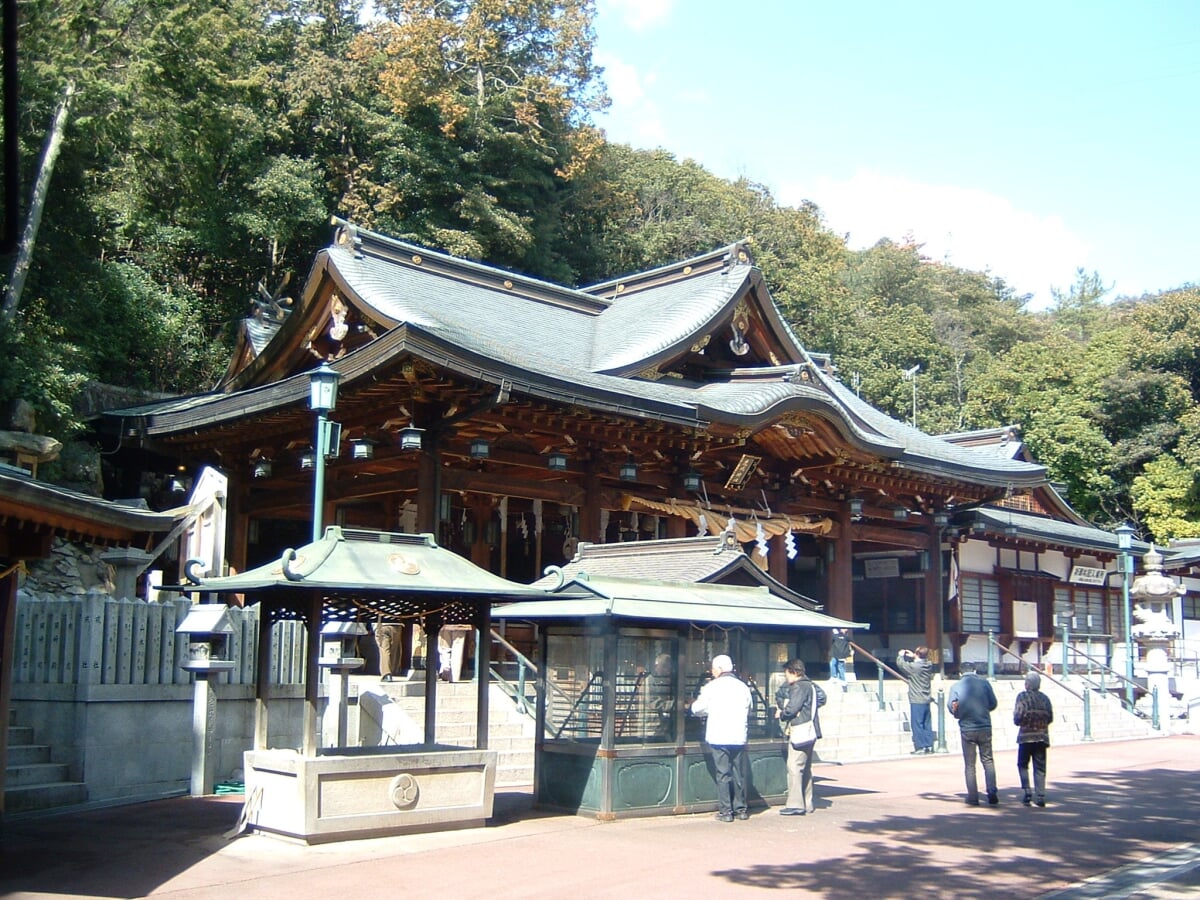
<point>410,438</point>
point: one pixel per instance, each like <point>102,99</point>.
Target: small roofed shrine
<point>321,794</point>
<point>624,655</point>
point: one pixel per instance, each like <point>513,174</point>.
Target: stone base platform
<point>316,799</point>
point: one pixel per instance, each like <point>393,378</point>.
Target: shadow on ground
<point>1096,822</point>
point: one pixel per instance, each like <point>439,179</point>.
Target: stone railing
<point>93,638</point>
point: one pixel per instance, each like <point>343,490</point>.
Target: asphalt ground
<point>1121,821</point>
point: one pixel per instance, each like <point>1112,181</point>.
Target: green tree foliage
<point>900,309</point>
<point>492,99</point>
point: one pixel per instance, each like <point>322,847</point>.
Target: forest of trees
<point>177,154</point>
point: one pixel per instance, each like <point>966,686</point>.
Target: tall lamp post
<point>323,384</point>
<point>1125,545</point>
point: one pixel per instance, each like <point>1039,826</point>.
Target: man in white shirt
<point>725,703</point>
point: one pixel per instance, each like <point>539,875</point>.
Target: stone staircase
<point>510,732</point>
<point>32,781</point>
<point>856,729</point>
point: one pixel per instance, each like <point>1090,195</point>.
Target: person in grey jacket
<point>971,702</point>
<point>918,670</point>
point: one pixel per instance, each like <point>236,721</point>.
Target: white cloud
<point>638,14</point>
<point>633,118</point>
<point>965,227</point>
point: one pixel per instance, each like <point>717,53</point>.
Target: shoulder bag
<point>801,733</point>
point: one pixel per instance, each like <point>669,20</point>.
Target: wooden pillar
<point>777,561</point>
<point>932,584</point>
<point>429,487</point>
<point>676,527</point>
<point>237,515</point>
<point>589,512</point>
<point>312,674</point>
<point>483,659</point>
<point>479,507</point>
<point>841,574</point>
<point>433,627</point>
<point>262,684</point>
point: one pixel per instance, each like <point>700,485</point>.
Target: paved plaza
<point>1121,821</point>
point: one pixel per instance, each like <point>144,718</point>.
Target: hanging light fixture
<point>361,448</point>
<point>410,438</point>
<point>480,449</point>
<point>262,468</point>
<point>900,514</point>
<point>691,480</point>
<point>978,526</point>
<point>308,459</point>
<point>628,471</point>
<point>557,461</point>
<point>856,507</point>
<point>941,520</point>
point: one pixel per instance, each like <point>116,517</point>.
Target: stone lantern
<point>1153,594</point>
<point>208,628</point>
<point>337,657</point>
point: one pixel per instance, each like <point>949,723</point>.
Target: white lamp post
<point>1125,545</point>
<point>323,384</point>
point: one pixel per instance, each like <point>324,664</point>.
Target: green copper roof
<point>635,598</point>
<point>370,573</point>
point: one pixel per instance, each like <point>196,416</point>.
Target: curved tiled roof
<point>578,347</point>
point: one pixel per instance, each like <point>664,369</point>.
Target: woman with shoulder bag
<point>799,699</point>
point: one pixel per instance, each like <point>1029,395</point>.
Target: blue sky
<point>1025,139</point>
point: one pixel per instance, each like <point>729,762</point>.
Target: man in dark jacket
<point>971,702</point>
<point>918,670</point>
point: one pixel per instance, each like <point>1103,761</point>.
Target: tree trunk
<point>16,284</point>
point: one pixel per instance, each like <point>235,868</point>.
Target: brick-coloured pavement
<point>897,828</point>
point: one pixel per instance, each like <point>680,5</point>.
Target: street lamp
<point>911,375</point>
<point>323,383</point>
<point>1125,545</point>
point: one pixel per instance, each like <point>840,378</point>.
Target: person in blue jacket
<point>971,702</point>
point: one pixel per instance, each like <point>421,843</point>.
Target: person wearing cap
<point>971,702</point>
<point>1033,713</point>
<point>725,704</point>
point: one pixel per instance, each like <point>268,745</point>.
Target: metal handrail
<point>1104,668</point>
<point>521,657</point>
<point>882,666</point>
<point>1041,672</point>
<point>879,662</point>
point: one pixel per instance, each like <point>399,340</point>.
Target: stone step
<point>29,797</point>
<point>27,754</point>
<point>19,734</point>
<point>35,773</point>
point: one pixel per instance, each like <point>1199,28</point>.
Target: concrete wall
<point>133,742</point>
<point>99,679</point>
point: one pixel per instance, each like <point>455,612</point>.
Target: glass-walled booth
<point>615,735</point>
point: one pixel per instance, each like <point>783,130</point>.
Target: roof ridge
<point>721,258</point>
